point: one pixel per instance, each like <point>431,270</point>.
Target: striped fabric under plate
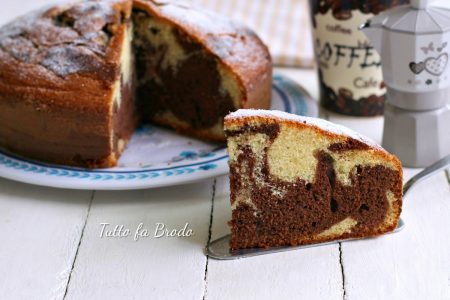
<point>284,25</point>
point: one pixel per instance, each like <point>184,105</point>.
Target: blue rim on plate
<point>188,166</point>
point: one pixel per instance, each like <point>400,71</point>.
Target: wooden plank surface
<point>40,231</point>
<point>150,268</point>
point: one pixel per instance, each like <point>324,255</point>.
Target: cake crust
<point>58,69</point>
<point>271,208</point>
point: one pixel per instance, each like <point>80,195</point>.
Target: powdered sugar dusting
<point>319,123</point>
<point>69,59</point>
<point>203,19</point>
<point>224,37</point>
<point>64,39</point>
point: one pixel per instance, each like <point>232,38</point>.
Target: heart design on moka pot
<point>436,66</point>
<point>417,68</point>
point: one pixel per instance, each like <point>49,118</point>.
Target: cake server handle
<point>426,173</point>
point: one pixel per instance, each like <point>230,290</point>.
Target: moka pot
<point>414,44</point>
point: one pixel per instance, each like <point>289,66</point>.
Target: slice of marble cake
<point>298,180</point>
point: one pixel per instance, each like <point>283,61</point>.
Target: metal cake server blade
<point>220,248</point>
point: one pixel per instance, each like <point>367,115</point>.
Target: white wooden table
<point>50,244</point>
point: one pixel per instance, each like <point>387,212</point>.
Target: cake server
<point>220,248</point>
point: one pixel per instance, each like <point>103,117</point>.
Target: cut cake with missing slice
<point>298,180</point>
<point>76,79</point>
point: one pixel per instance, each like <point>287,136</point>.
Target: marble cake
<point>76,79</point>
<point>297,180</point>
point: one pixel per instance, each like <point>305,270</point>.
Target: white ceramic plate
<point>155,156</point>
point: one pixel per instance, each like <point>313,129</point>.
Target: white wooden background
<point>50,245</point>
